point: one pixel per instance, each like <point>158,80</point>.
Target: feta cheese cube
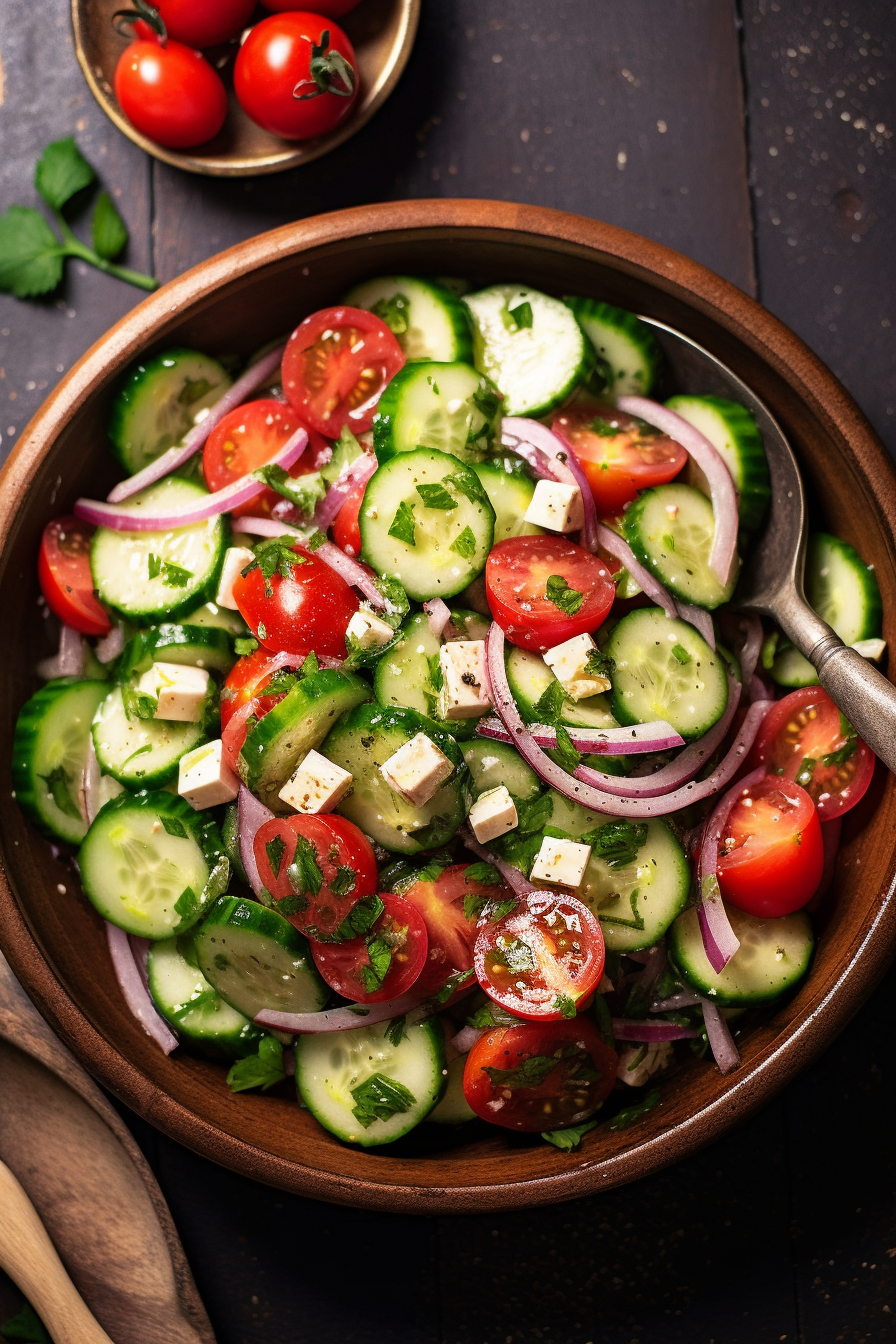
<point>557,506</point>
<point>370,631</point>
<point>417,770</point>
<point>317,786</point>
<point>568,661</point>
<point>236,558</point>
<point>562,862</point>
<point>637,1065</point>
<point>493,814</point>
<point>463,694</point>
<point>181,691</point>
<point>205,779</point>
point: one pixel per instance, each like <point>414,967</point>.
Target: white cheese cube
<point>637,1065</point>
<point>317,786</point>
<point>181,691</point>
<point>204,778</point>
<point>562,862</point>
<point>463,694</point>
<point>236,558</point>
<point>493,814</point>
<point>557,506</point>
<point>370,631</point>
<point>417,770</point>
<point>568,662</point>
<point>873,649</point>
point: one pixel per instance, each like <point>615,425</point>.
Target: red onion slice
<point>700,619</point>
<point>640,738</point>
<point>111,645</point>
<point>465,1039</point>
<point>250,817</point>
<point>438,616</point>
<point>516,880</point>
<point>630,1029</point>
<point>685,998</point>
<point>721,1043</point>
<point>355,473</point>
<point>413,1008</point>
<point>614,545</point>
<point>719,940</point>
<point>552,458</point>
<point>68,660</point>
<point>194,440</point>
<point>136,995</point>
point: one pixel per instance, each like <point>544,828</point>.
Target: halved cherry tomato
<point>771,853</point>
<point>451,932</point>
<point>301,860</point>
<point>346,532</point>
<point>539,1076</point>
<point>384,964</point>
<point>619,455</point>
<point>540,960</point>
<point>204,23</point>
<point>245,681</point>
<point>335,367</point>
<point>309,610</point>
<point>520,573</point>
<point>170,93</point>
<point>248,438</point>
<point>804,737</point>
<point>63,569</point>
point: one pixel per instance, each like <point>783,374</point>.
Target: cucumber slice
<point>152,865</point>
<point>365,739</point>
<point>190,645</point>
<point>185,562</point>
<point>49,750</point>
<point>624,344</point>
<point>336,1074</point>
<point>230,839</point>
<point>732,430</point>
<point>492,764</point>
<point>529,677</point>
<point>666,670</point>
<point>426,318</point>
<point>530,345</point>
<point>298,724</point>
<point>192,1007</point>
<point>453,1108</point>
<point>773,956</point>
<point>670,529</point>
<point>140,753</point>
<point>409,673</point>
<point>211,616</point>
<point>844,592</point>
<point>255,959</point>
<point>510,492</point>
<point>435,550</point>
<point>449,407</point>
<point>159,400</point>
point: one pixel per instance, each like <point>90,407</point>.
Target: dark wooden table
<point>757,137</point>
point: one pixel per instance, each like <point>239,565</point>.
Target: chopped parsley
<point>521,315</point>
<point>484,873</point>
<point>402,527</point>
<point>396,1030</point>
<point>303,492</point>
<point>304,873</point>
<point>395,312</point>
<point>379,953</point>
<point>379,1098</point>
<point>345,881</point>
<point>435,496</point>
<point>680,654</point>
<point>567,1140</point>
<point>617,842</point>
<point>173,826</point>
<point>275,849</point>
<point>275,555</point>
<point>565,1005</point>
<point>599,664</point>
<point>58,784</point>
<point>566,599</point>
<point>453,984</point>
<point>244,647</point>
<point>531,1073</point>
<point>629,1114</point>
<point>464,544</point>
<point>263,1069</point>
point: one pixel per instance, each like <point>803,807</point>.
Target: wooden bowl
<point>235,302</point>
<point>381,31</point>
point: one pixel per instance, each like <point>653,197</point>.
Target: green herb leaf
<point>453,984</point>
<point>396,1030</point>
<point>61,172</point>
<point>186,904</point>
<point>107,228</point>
<point>403,524</point>
<point>629,1114</point>
<point>292,905</point>
<point>173,826</point>
<point>153,565</point>
<point>379,953</point>
<point>838,757</point>
<point>395,312</point>
<point>304,873</point>
<point>244,647</point>
<point>360,919</point>
<point>464,544</point>
<point>522,315</point>
<point>469,485</point>
<point>345,881</point>
<point>346,450</point>
<point>379,1098</point>
<point>492,1015</point>
<point>275,849</point>
<point>568,1140</point>
<point>175,576</point>
<point>565,1004</point>
<point>513,953</point>
<point>484,873</point>
<point>566,599</point>
<point>59,786</point>
<point>263,1069</point>
<point>604,428</point>
<point>309,666</point>
<point>550,704</point>
<point>564,751</point>
<point>680,654</point>
<point>487,400</point>
<point>616,842</point>
<point>531,1073</point>
<point>397,604</point>
<point>303,492</point>
<point>435,496</point>
<point>30,253</point>
<point>668,541</point>
<point>480,907</point>
<point>275,555</point>
<point>25,1327</point>
<point>599,664</point>
<point>137,704</point>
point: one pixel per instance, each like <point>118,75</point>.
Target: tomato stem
<point>142,12</point>
<point>326,68</point>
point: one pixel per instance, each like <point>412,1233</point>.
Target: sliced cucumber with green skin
<point>277,744</point>
<point>184,562</point>
<point>773,956</point>
<point>530,345</point>
<point>140,753</point>
<point>492,764</point>
<point>732,430</point>
<point>510,492</point>
<point>453,1108</point>
<point>362,742</point>
<point>191,1006</point>
<point>426,318</point>
<point>450,407</point>
<point>152,865</point>
<point>529,677</point>
<point>188,645</point>
<point>211,616</point>
<point>665,670</point>
<point>255,959</point>
<point>670,529</point>
<point>330,1068</point>
<point>159,400</point>
<point>230,839</point>
<point>625,345</point>
<point>845,593</point>
<point>635,903</point>
<point>49,750</point>
<point>409,532</point>
<point>408,674</point>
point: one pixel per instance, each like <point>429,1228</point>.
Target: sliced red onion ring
<point>438,616</point>
<point>719,940</point>
<point>88,795</point>
<point>357,575</point>
<point>136,995</point>
<point>630,1029</point>
<point>194,440</point>
<point>411,1007</point>
<point>614,545</point>
<point>250,817</point>
<point>642,737</point>
<point>68,660</point>
<point>123,519</point>
<point>710,461</point>
<point>760,688</point>
<point>700,619</point>
<point>750,648</point>
<point>553,459</point>
<point>355,473</point>
<point>111,645</point>
<point>465,1039</point>
<point>685,998</point>
<point>516,880</point>
<point>721,1043</point>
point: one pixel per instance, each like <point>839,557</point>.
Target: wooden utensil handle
<point>29,1258</point>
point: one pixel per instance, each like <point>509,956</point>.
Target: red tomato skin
<point>339,963</point>
<point>516,574</point>
<point>616,470</point>
<point>274,59</point>
<point>309,611</point>
<point>245,680</point>
<point>346,532</point>
<point>337,842</point>
<point>63,571</point>
<point>170,94</point>
<point>332,9</point>
<point>328,379</point>
<point>248,438</point>
<point>777,878</point>
<point>204,23</point>
<point>451,935</point>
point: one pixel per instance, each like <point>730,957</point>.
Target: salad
<point>401,728</point>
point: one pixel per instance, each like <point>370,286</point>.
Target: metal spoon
<point>771,581</point>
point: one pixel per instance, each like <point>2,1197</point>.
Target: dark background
<point>756,137</point>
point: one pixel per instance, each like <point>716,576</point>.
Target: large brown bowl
<point>235,302</point>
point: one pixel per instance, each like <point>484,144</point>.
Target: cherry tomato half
<point>309,610</point>
<point>805,738</point>
<point>63,569</point>
<point>771,854</point>
<point>346,532</point>
<point>451,932</point>
<point>296,75</point>
<point>204,23</point>
<point>543,958</point>
<point>248,438</point>
<point>382,965</point>
<point>521,572</point>
<point>171,93</point>
<point>619,455</point>
<point>245,681</point>
<point>539,1076</point>
<point>333,9</point>
<point>301,860</point>
<point>335,367</point>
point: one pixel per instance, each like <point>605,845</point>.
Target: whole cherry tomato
<point>63,569</point>
<point>335,367</point>
<point>296,75</point>
<point>544,590</point>
<point>204,23</point>
<point>169,91</point>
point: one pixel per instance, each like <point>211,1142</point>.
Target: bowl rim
<point>872,950</point>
